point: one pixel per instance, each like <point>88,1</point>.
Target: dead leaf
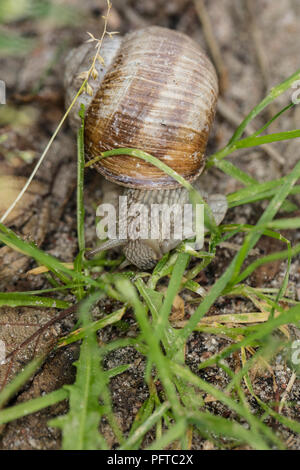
<point>177,309</point>
<point>10,187</point>
<point>16,325</point>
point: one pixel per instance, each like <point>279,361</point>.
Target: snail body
<point>156,91</point>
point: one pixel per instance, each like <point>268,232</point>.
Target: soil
<point>259,44</point>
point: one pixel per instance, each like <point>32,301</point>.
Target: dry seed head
<point>94,73</point>
<point>98,43</point>
<point>92,37</point>
<point>89,89</point>
<point>111,33</point>
<point>100,59</point>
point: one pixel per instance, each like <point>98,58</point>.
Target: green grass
<point>177,411</point>
<point>12,12</point>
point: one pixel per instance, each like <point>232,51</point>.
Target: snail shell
<point>79,60</point>
<point>157,92</point>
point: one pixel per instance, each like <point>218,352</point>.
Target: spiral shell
<point>158,94</point>
<point>78,61</point>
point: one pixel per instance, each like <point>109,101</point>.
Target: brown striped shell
<point>159,95</point>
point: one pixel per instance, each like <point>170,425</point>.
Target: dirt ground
<point>259,43</point>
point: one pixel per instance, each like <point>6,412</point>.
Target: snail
<point>156,91</point>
